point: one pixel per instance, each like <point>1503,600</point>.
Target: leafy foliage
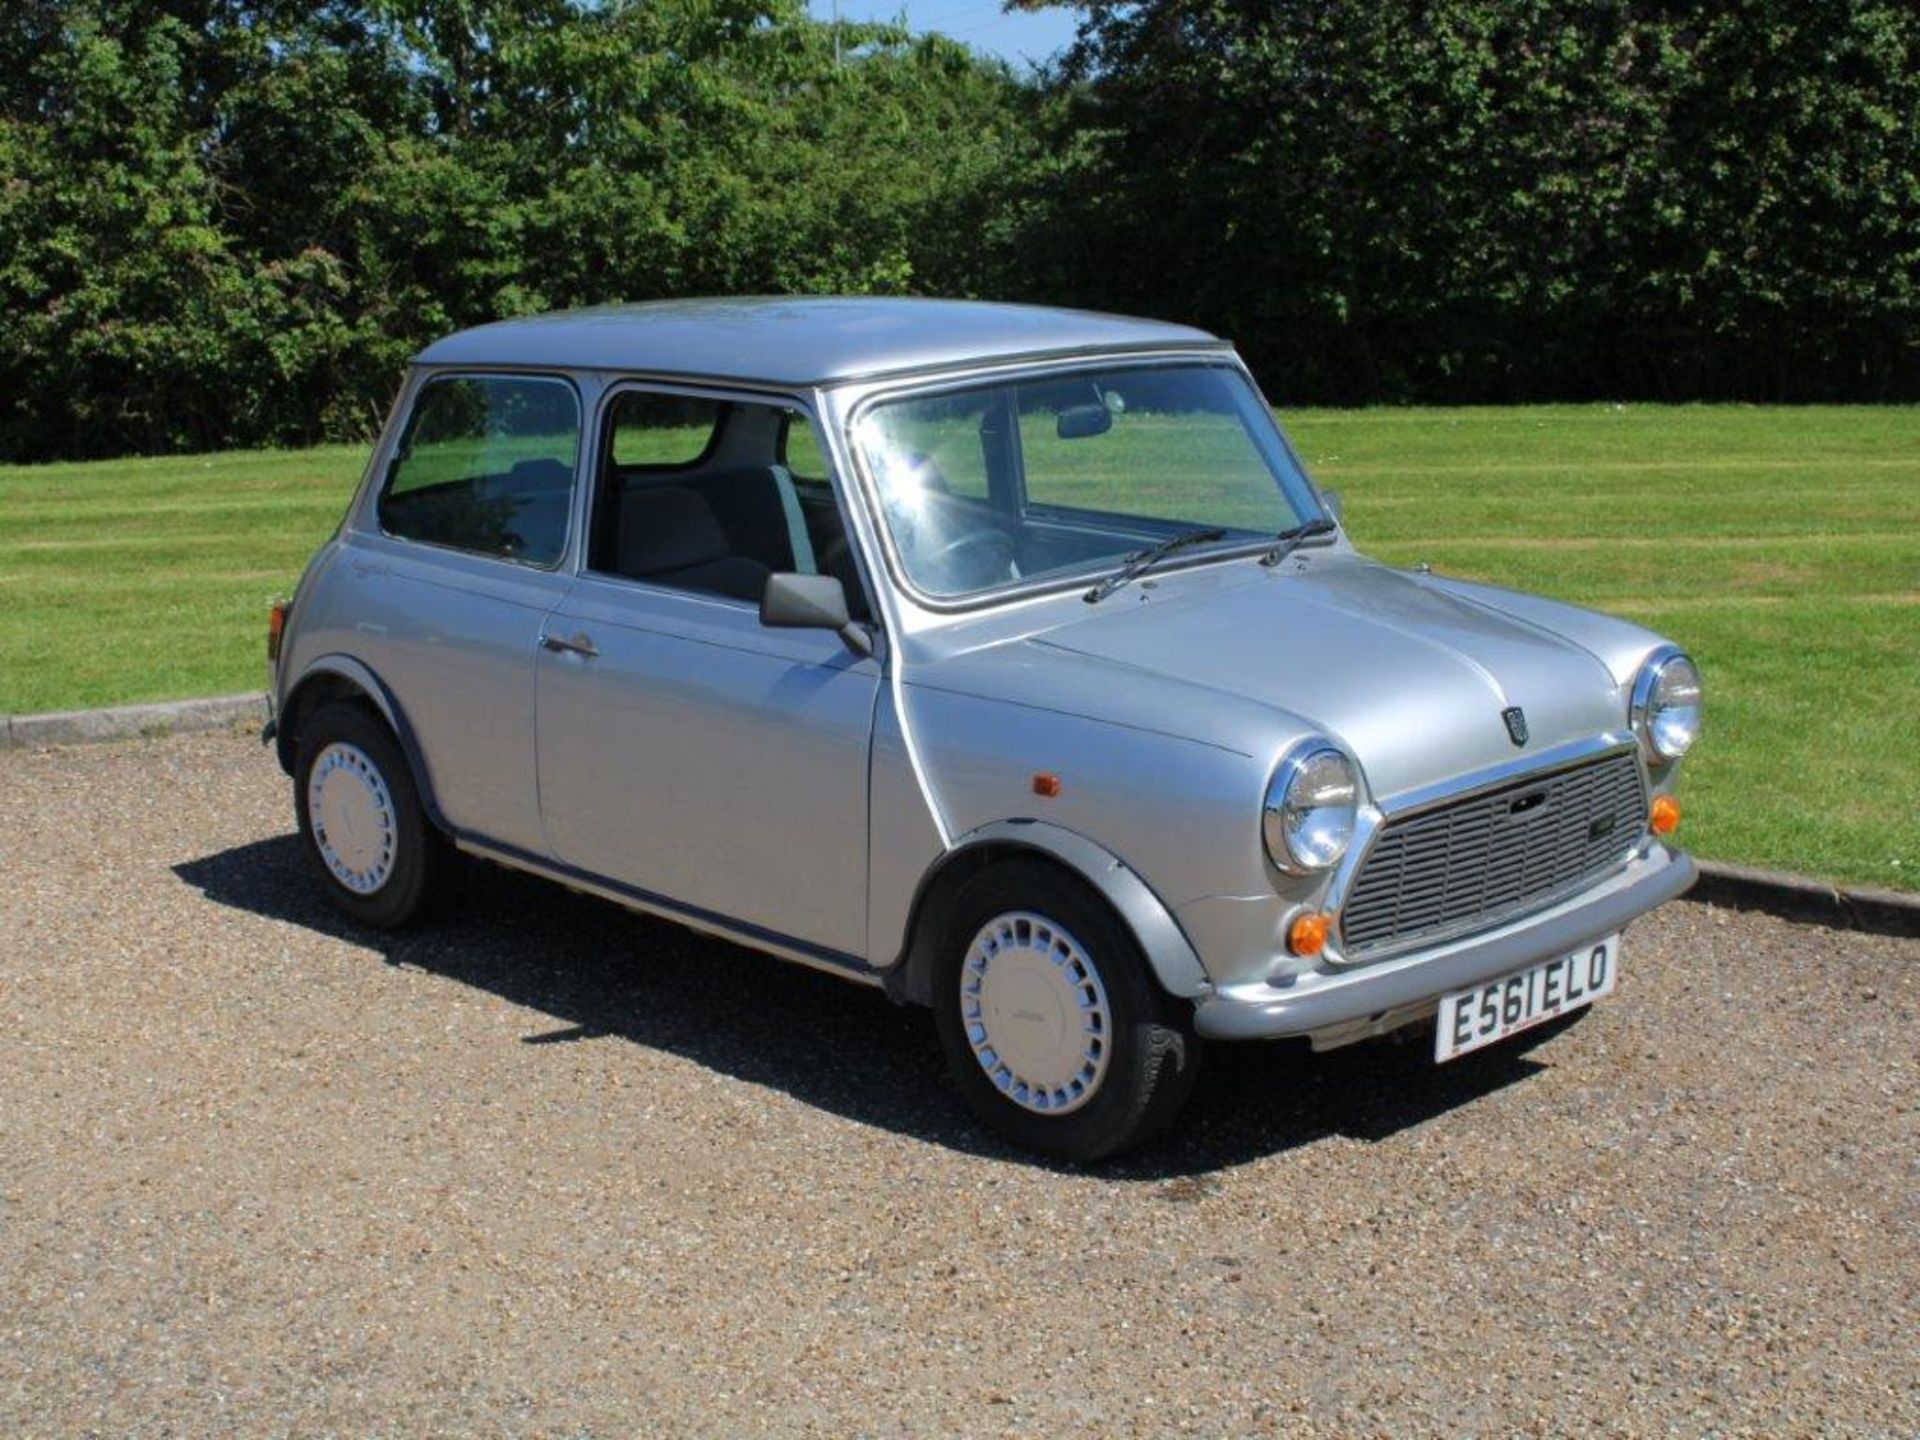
<point>1464,199</point>
<point>229,222</point>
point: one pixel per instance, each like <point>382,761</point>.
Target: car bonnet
<point>1414,680</point>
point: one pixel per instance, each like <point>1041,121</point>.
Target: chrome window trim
<point>1374,818</point>
<point>999,372</point>
<point>644,587</point>
<point>382,471</point>
<point>1034,359</point>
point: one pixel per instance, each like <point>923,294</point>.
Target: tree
<point>1463,199</point>
<point>231,223</point>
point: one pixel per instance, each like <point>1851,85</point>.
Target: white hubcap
<point>1035,1013</point>
<point>351,812</point>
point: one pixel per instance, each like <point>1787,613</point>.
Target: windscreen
<point>986,487</point>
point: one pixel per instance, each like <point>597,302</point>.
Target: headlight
<point>1666,706</point>
<point>1313,802</point>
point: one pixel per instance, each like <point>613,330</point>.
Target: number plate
<point>1491,1012</point>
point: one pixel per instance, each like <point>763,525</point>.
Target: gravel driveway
<point>540,1171</point>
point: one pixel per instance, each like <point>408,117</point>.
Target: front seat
<point>671,536</point>
<point>759,510</point>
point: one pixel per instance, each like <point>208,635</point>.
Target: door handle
<point>579,643</point>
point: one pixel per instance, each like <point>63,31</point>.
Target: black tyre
<point>1057,1035</point>
<point>379,859</point>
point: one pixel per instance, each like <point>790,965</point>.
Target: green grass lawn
<point>1780,546</point>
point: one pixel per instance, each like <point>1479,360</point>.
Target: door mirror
<point>812,602</point>
<point>1078,422</point>
<point>1331,499</point>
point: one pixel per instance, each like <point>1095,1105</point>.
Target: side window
<point>800,452</point>
<point>486,465</point>
<point>693,495</point>
<point>652,431</point>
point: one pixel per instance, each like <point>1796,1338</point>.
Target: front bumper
<point>1346,1003</point>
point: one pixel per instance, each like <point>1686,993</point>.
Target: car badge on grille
<point>1516,719</point>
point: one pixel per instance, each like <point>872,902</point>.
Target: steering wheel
<point>995,542</point>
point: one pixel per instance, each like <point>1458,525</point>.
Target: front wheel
<point>362,827</point>
<point>1057,1036</point>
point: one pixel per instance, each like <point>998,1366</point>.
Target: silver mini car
<point>1004,657</point>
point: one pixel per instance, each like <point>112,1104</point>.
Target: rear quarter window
<point>486,465</point>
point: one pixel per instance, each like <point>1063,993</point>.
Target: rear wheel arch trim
<point>343,671</point>
<point>1169,954</point>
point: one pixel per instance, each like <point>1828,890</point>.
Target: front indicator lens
<point>1312,807</point>
<point>1664,818</point>
<point>1307,935</point>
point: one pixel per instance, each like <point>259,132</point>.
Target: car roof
<point>800,341</point>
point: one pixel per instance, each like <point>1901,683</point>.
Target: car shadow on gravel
<point>599,972</point>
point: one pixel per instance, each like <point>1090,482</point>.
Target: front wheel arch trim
<point>1170,955</point>
<point>339,676</point>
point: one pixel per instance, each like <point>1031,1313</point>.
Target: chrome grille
<point>1470,862</point>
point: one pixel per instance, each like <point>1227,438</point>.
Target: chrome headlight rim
<point>1275,833</point>
<point>1643,713</point>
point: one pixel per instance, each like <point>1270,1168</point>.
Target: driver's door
<point>689,752</point>
<point>686,751</point>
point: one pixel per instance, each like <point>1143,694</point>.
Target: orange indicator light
<point>1307,935</point>
<point>1664,818</point>
<point>1046,786</point>
<point>276,626</point>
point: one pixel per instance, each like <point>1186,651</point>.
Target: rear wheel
<point>1057,1036</point>
<point>365,834</point>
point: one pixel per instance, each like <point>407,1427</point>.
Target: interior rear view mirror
<point>1079,421</point>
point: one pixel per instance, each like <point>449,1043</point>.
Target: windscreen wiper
<point>1144,560</point>
<point>1289,540</point>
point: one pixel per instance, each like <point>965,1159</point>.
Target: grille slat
<point>1476,860</point>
